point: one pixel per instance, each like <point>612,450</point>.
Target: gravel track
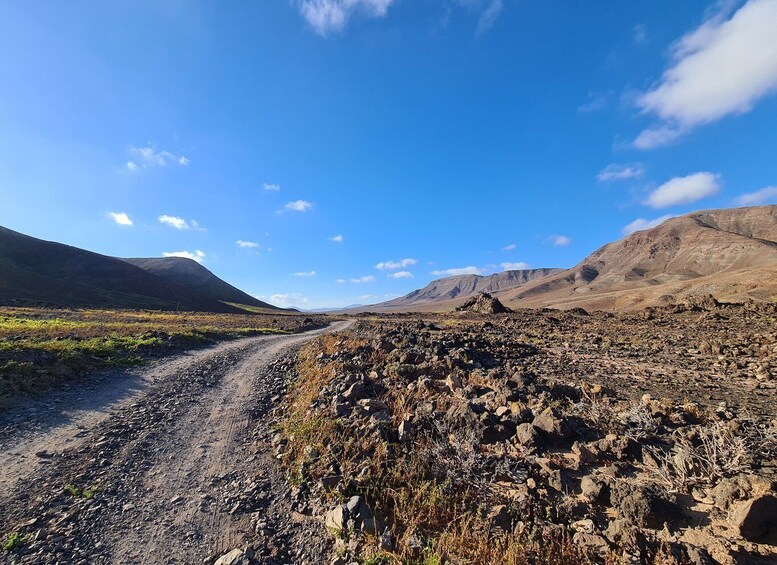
<point>179,453</point>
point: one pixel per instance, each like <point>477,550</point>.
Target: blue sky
<point>296,146</point>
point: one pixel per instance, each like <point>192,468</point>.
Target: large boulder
<point>756,519</point>
<point>484,303</point>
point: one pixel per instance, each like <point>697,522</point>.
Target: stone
<point>356,392</point>
<point>499,518</point>
<point>330,482</point>
<point>646,505</point>
<point>554,428</point>
<point>528,436</point>
<point>453,382</point>
<point>336,518</point>
<point>756,519</point>
<point>235,557</point>
<point>593,542</point>
<point>594,489</point>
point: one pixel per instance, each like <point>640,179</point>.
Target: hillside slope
<point>729,253</point>
<point>189,273</point>
<point>449,291</point>
<point>38,272</point>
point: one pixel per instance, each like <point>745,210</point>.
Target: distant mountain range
<point>44,273</point>
<point>730,253</point>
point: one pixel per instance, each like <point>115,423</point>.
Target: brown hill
<point>442,294</point>
<point>731,254</point>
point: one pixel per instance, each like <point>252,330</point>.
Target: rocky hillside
<point>731,254</point>
<point>440,292</point>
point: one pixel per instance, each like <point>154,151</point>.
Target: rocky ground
<point>180,470</point>
<point>541,437</point>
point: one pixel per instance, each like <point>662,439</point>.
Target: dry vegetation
<point>530,437</point>
<point>40,347</point>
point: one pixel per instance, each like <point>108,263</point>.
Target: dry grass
<point>40,347</point>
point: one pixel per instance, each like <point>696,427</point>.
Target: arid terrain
<point>537,436</point>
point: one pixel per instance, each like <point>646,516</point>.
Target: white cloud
<point>401,275</point>
<point>179,223</point>
<point>560,240</point>
<point>286,300</point>
<point>364,279</point>
<point>299,205</point>
<point>305,274</point>
<point>197,255</point>
<point>643,224</point>
<point>684,190</point>
<point>247,244</point>
<point>148,157</point>
<point>271,186</point>
<point>509,247</point>
<point>615,171</point>
<point>326,16</point>
<point>489,16</point>
<point>596,102</point>
<point>763,196</point>
<point>520,266</point>
<point>336,238</point>
<point>640,34</point>
<point>394,265</point>
<point>120,218</point>
<point>458,271</point>
<point>340,281</point>
<point>722,67</point>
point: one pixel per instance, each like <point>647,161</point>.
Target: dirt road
<point>167,464</point>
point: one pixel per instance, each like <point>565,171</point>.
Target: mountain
<point>442,294</point>
<point>730,253</point>
<point>186,272</point>
<point>38,272</point>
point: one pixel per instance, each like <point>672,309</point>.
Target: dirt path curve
<point>178,452</point>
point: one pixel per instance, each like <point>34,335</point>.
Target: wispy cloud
<point>489,16</point>
<point>644,224</point>
<point>640,34</point>
<point>179,223</point>
<point>510,247</point>
<point>401,275</point>
<point>615,171</point>
<point>519,266</point>
<point>305,274</point>
<point>596,101</point>
<point>340,281</point>
<point>722,67</point>
<point>246,244</point>
<point>560,240</point>
<point>456,271</point>
<point>271,186</point>
<point>364,279</point>
<point>337,238</point>
<point>120,218</point>
<point>327,16</point>
<point>394,265</point>
<point>684,190</point>
<point>148,157</point>
<point>764,196</point>
<point>299,206</point>
<point>197,255</point>
<point>287,300</point>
